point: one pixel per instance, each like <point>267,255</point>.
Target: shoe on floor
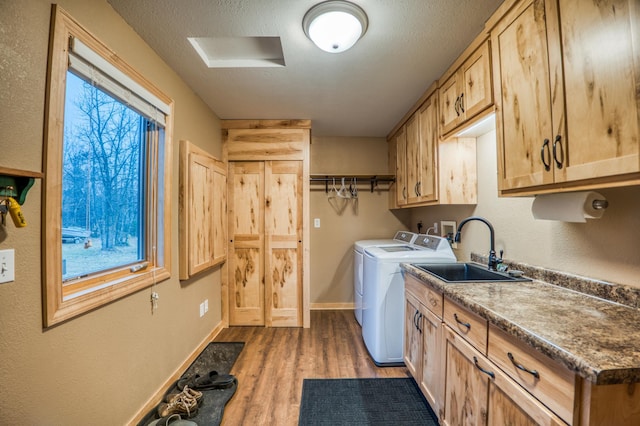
<point>173,420</point>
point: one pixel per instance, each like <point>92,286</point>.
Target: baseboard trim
<point>331,306</point>
<point>157,396</point>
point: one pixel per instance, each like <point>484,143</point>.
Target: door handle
<point>547,164</point>
<point>558,142</point>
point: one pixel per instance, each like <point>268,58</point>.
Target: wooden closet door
<point>246,249</point>
<point>283,243</point>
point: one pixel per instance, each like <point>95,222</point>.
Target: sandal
<point>213,380</point>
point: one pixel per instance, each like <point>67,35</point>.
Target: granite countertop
<point>598,339</point>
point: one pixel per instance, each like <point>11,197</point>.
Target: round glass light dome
<point>335,26</point>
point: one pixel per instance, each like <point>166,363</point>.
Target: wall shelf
<point>373,180</point>
<point>16,183</point>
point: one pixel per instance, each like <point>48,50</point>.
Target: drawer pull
<point>466,324</point>
<point>534,373</point>
<point>487,372</point>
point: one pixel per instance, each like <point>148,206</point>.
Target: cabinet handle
<point>534,373</point>
<point>404,192</point>
<point>417,189</point>
<point>487,372</point>
<point>555,157</point>
<point>415,320</point>
<point>547,165</point>
<point>466,324</point>
<point>420,322</point>
<point>462,102</point>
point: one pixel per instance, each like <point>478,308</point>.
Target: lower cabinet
<point>479,393</point>
<point>424,351</point>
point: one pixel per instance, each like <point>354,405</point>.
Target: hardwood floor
<point>274,362</point>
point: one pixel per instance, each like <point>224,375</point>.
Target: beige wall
<point>605,248</point>
<point>368,218</point>
<point>99,368</point>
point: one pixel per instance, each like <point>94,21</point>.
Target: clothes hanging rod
<point>372,179</point>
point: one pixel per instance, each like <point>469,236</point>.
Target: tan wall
<point>605,248</point>
<point>368,218</point>
<point>102,367</point>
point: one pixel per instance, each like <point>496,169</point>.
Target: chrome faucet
<point>494,261</point>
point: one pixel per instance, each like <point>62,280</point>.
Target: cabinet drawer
<point>552,383</point>
<point>429,297</point>
<point>470,326</point>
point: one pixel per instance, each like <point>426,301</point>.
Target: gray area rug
<point>218,356</point>
<point>395,401</point>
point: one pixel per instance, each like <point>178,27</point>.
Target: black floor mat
<point>218,356</point>
<point>394,401</point>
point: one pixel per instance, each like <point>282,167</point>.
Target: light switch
<point>7,266</point>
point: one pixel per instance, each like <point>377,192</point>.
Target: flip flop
<point>213,380</point>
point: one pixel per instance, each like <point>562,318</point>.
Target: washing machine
<point>401,238</point>
<point>383,293</point>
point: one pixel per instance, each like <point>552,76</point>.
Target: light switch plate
<point>7,266</point>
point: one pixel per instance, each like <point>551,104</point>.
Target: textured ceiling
<point>364,91</point>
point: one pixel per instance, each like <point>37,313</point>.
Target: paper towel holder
<point>600,204</point>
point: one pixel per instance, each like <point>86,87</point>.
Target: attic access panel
<point>239,52</point>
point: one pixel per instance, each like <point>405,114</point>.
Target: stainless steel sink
<point>465,272</point>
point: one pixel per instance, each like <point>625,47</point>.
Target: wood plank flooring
<point>274,362</point>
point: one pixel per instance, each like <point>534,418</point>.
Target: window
<point>106,225</point>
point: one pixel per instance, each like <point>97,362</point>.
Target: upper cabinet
<point>415,147</point>
<point>466,90</point>
<point>566,77</point>
<point>430,170</point>
<point>202,210</point>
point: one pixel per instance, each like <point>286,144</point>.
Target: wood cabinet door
<point>477,92</point>
<point>601,64</point>
<point>401,167</point>
<point>283,242</point>
<point>523,97</point>
<point>509,404</point>
<point>427,167</point>
<point>467,387</point>
<point>412,337</point>
<point>412,129</point>
<point>202,210</point>
<point>449,95</point>
<point>433,366</point>
<point>219,212</point>
<point>246,247</point>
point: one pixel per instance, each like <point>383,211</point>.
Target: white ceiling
<point>364,91</point>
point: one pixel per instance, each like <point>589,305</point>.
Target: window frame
<point>101,288</point>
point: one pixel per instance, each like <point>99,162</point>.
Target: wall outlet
<point>316,222</point>
<point>7,266</point>
<point>206,305</point>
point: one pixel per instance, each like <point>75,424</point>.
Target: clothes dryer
<point>401,238</point>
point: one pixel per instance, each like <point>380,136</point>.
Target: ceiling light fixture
<point>336,25</point>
